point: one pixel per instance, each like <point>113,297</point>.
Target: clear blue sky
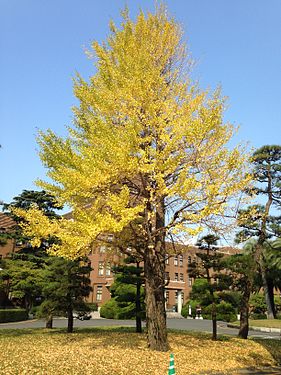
<point>236,44</point>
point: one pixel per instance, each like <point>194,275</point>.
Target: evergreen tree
<point>208,267</point>
<point>23,269</point>
<point>256,220</point>
<point>127,287</point>
<point>242,271</point>
<point>66,286</point>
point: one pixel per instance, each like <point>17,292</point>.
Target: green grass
<point>119,350</point>
<point>268,323</point>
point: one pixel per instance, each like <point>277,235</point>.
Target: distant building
<point>179,283</point>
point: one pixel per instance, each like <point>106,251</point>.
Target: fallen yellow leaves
<point>117,352</point>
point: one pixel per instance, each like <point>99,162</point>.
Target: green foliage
<point>13,315</point>
<point>109,309</point>
<point>227,302</point>
<point>93,306</point>
<point>127,289</point>
<point>232,297</point>
<point>23,271</point>
<point>66,285</point>
<point>185,308</point>
<point>257,305</point>
<point>225,312</point>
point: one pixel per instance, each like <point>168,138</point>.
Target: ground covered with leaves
<point>118,351</point>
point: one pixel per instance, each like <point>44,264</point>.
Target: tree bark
<point>69,320</point>
<point>244,312</point>
<point>214,320</point>
<point>271,296</point>
<point>154,271</point>
<point>138,304</point>
<point>49,321</point>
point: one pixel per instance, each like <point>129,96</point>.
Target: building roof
<point>6,222</point>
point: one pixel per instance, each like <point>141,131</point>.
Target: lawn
<point>268,323</point>
<point>113,351</point>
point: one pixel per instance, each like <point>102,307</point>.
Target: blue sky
<point>236,44</point>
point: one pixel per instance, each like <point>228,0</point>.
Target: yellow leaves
<point>141,130</point>
<point>105,352</point>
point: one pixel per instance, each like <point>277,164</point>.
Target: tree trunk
<point>154,271</point>
<point>69,320</point>
<point>214,320</point>
<point>271,311</point>
<point>138,305</point>
<point>268,298</point>
<point>49,321</point>
<point>244,313</point>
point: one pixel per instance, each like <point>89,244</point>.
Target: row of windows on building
<point>104,269</point>
<point>178,260</point>
<point>167,294</point>
<point>178,277</point>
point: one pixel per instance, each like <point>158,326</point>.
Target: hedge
<point>13,315</point>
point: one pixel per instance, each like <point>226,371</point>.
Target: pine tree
<point>130,274</point>
<point>66,286</point>
<point>208,267</point>
<point>256,220</point>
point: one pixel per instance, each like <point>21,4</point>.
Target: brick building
<point>179,284</point>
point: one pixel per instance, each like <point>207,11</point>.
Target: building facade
<point>178,281</point>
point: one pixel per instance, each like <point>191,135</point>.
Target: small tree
<point>66,285</point>
<point>256,221</point>
<point>242,270</point>
<point>208,268</point>
<point>130,274</point>
<point>23,270</point>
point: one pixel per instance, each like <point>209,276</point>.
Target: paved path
<point>180,324</point>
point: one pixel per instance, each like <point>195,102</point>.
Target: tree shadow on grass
<point>273,347</point>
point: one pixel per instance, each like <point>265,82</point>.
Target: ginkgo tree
<point>147,146</point>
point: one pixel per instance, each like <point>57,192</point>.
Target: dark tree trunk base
<point>155,302</point>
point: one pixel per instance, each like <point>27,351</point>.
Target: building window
<point>181,260</point>
<point>167,276</point>
<point>189,260</point>
<point>167,258</point>
<point>99,293</point>
<point>189,281</point>
<point>181,277</point>
<point>167,296</point>
<point>176,276</point>
<point>108,269</point>
<point>101,270</point>
<point>102,249</point>
<point>175,260</point>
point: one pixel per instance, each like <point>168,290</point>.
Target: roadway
<point>179,324</point>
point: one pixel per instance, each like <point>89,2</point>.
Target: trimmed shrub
<point>109,309</point>
<point>257,305</point>
<point>193,304</point>
<point>13,315</point>
<point>113,309</point>
<point>93,306</point>
<point>255,316</point>
<point>225,312</point>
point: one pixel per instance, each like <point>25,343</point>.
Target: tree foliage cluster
<point>31,277</point>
